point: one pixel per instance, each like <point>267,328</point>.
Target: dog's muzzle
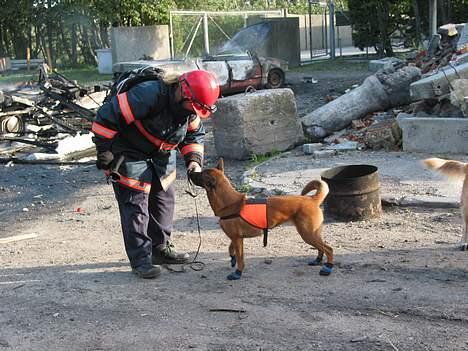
<point>196,178</point>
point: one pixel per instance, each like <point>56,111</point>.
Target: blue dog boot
<point>326,269</point>
<point>233,261</point>
<point>315,262</point>
<point>234,275</point>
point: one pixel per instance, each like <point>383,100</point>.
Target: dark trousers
<point>146,220</point>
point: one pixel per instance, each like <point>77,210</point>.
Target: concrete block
<point>134,43</point>
<point>434,135</point>
<point>437,84</point>
<point>309,149</point>
<point>324,153</point>
<point>346,146</point>
<point>256,123</point>
<point>459,95</point>
<point>462,44</point>
<point>387,63</point>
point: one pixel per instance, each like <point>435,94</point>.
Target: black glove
<point>104,160</point>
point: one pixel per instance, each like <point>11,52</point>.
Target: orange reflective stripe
<point>135,184</point>
<point>255,214</point>
<point>157,142</point>
<point>99,129</point>
<point>125,108</point>
<point>192,148</point>
<point>193,125</point>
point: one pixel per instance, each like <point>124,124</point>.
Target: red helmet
<point>201,88</point>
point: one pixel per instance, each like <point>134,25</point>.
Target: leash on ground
<point>194,265</point>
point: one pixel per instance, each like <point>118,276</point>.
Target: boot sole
<point>146,275</point>
<point>159,261</point>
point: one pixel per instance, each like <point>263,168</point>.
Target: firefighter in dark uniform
<point>143,127</point>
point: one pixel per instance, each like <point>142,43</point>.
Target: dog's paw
<point>464,247</point>
<point>315,262</point>
<point>234,275</point>
<point>326,269</point>
<point>233,261</point>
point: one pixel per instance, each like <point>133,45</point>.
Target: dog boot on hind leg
<point>233,261</point>
<point>326,269</point>
<point>234,275</point>
<point>464,247</point>
<point>315,262</point>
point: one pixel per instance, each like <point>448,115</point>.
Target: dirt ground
<point>399,282</point>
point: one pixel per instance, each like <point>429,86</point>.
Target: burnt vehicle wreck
<point>236,64</point>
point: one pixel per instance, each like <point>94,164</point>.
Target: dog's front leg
<point>464,243</point>
<point>238,245</point>
<point>232,254</point>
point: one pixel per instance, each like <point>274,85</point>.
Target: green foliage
<point>337,65</point>
<point>257,159</point>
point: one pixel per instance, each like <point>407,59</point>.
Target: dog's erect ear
<point>220,164</point>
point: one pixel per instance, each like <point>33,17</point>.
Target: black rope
<point>194,265</point>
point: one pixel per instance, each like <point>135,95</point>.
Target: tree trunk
<point>417,17</point>
<point>65,42</point>
<point>50,48</point>
<point>104,34</point>
<point>74,44</point>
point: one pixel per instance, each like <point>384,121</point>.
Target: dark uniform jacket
<point>147,127</point>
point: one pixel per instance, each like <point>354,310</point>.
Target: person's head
<point>199,91</point>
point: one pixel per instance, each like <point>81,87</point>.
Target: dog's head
<point>209,177</point>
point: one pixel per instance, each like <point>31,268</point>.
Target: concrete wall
<point>132,43</point>
<point>283,42</point>
<point>342,33</point>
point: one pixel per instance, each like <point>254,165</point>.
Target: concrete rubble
<point>432,84</point>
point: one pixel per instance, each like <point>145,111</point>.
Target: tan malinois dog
<point>454,169</point>
<point>228,204</point>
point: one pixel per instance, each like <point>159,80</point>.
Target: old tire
<point>275,79</point>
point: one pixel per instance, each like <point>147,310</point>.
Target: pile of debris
<point>49,119</point>
<point>434,83</point>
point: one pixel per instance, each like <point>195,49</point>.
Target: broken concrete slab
<point>324,153</point>
<point>434,135</point>
<point>346,146</point>
<point>459,95</point>
<point>462,44</point>
<point>377,93</point>
<point>385,135</point>
<point>256,123</point>
<point>309,149</point>
<point>387,63</point>
<point>437,84</point>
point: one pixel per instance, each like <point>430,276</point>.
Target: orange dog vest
<point>254,212</point>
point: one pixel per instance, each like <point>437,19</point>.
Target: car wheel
<point>275,79</point>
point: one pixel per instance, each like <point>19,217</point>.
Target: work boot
<point>147,271</point>
<point>168,255</point>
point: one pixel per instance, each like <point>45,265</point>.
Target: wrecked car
<point>236,63</point>
<point>235,72</point>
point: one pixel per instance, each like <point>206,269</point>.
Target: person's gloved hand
<point>193,167</point>
<point>104,160</point>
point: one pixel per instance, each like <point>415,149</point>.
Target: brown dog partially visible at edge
<point>454,169</point>
<point>303,211</point>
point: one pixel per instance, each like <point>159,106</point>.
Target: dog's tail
<point>450,168</point>
<point>320,186</point>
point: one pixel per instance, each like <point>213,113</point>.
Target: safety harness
<point>254,212</point>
